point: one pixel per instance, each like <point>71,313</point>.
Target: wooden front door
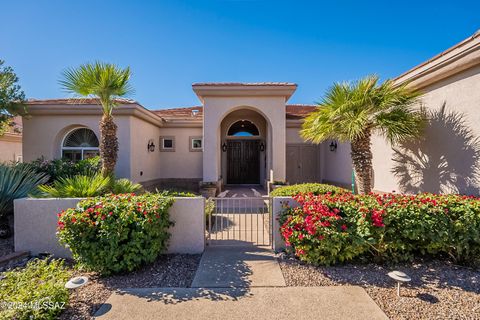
<point>243,162</point>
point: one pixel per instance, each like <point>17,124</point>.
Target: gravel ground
<point>439,290</point>
<point>175,270</point>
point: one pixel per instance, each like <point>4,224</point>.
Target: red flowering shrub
<point>116,233</point>
<point>330,228</point>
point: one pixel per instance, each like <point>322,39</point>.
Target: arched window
<point>79,144</point>
<point>243,128</point>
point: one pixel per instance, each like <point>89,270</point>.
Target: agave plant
<point>16,181</point>
<point>79,186</point>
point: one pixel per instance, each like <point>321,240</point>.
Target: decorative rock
<point>76,282</point>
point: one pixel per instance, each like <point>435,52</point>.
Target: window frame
<point>81,149</point>
<point>192,139</point>
<point>161,143</point>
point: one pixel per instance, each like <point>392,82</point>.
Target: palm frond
<point>350,111</point>
<point>100,80</point>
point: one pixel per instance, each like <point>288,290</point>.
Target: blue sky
<point>171,44</point>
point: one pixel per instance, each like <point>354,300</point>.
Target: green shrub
<point>116,233</point>
<point>35,292</point>
<point>314,188</point>
<point>125,186</point>
<point>175,193</point>
<point>329,228</point>
<point>17,181</point>
<point>87,186</point>
<point>77,187</point>
<point>64,168</point>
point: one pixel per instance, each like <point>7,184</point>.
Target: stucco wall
<point>448,158</point>
<point>36,222</point>
<point>145,165</point>
<point>181,163</point>
<point>336,165</point>
<point>217,108</point>
<point>43,135</point>
<point>10,148</point>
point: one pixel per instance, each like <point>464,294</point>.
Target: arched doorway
<point>243,148</point>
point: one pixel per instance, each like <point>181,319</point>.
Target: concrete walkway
<point>242,282</point>
<point>238,267</point>
<point>298,303</point>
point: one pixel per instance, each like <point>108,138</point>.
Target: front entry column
<point>211,145</point>
<point>278,149</point>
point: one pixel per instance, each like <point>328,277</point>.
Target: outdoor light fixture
<point>76,282</point>
<point>400,277</point>
<point>224,147</point>
<point>262,146</point>
<point>151,146</point>
<point>333,146</point>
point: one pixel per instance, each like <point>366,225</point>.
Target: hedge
<point>314,188</point>
<point>328,229</point>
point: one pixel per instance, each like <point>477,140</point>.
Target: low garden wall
<point>35,225</point>
<point>278,204</point>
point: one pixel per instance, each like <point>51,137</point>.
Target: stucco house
<point>11,143</point>
<point>248,133</point>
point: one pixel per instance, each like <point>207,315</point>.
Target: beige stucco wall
<point>216,108</point>
<point>10,147</point>
<point>448,158</point>
<point>336,165</point>
<point>182,163</point>
<point>43,135</point>
<point>144,165</point>
<point>36,222</point>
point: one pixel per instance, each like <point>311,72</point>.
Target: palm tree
<point>352,112</point>
<point>105,82</point>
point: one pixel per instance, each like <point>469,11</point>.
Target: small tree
<point>12,98</point>
<point>105,82</point>
<point>352,112</point>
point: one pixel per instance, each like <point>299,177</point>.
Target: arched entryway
<point>244,153</point>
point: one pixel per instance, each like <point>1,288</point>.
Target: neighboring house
<point>247,133</point>
<point>11,143</point>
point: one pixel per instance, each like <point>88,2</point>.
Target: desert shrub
<point>35,292</point>
<point>328,228</point>
<point>17,181</point>
<point>124,186</point>
<point>314,188</point>
<point>64,168</point>
<point>76,186</point>
<point>87,186</point>
<point>116,233</point>
<point>175,193</point>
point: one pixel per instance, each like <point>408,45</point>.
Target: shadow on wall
<point>445,160</point>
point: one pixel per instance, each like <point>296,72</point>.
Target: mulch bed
<point>438,290</point>
<point>173,270</point>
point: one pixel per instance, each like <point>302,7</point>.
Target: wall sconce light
<point>262,146</point>
<point>333,146</point>
<point>224,147</point>
<point>150,146</point>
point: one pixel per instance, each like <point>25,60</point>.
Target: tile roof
<point>77,101</point>
<point>293,111</point>
<point>244,84</point>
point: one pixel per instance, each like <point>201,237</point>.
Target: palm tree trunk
<point>362,162</point>
<point>108,144</point>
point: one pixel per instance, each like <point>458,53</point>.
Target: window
<point>243,128</point>
<point>196,143</point>
<point>79,144</point>
<point>167,143</point>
